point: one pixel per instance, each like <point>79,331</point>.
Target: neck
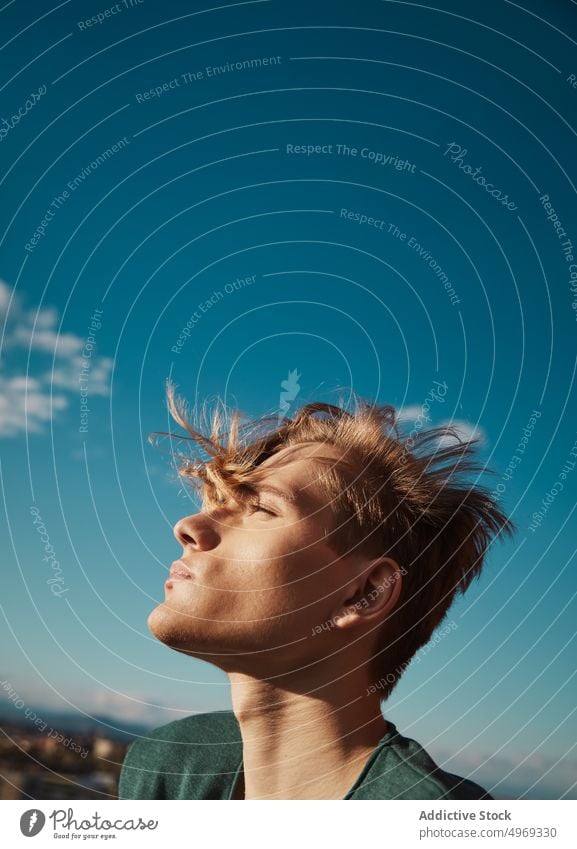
<point>304,744</point>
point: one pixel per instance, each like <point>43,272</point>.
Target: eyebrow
<point>286,495</point>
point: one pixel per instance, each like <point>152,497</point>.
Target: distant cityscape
<point>78,758</point>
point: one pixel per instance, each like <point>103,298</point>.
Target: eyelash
<point>256,506</point>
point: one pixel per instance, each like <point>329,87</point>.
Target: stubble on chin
<point>163,623</point>
<point>181,632</point>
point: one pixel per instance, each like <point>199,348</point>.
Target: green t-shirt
<point>200,757</point>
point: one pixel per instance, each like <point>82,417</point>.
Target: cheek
<point>259,581</point>
<point>297,599</point>
<point>285,577</point>
<point>273,595</point>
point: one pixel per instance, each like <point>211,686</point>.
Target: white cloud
<point>65,375</point>
<point>465,430</point>
<point>25,404</point>
<point>5,293</point>
<point>28,402</point>
<point>131,707</point>
<point>46,317</point>
<point>417,417</point>
<point>48,340</point>
<point>409,414</point>
<point>511,776</point>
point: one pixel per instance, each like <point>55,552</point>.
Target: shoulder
<point>159,764</point>
<point>404,770</point>
<point>198,728</point>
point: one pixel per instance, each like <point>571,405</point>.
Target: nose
<point>197,532</point>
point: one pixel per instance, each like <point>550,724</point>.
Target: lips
<point>179,571</point>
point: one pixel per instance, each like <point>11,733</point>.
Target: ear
<point>371,596</point>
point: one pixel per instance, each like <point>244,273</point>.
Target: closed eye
<point>257,507</point>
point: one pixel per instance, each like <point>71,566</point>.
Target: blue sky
<point>188,216</point>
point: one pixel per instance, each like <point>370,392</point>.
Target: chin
<point>163,624</point>
<point>174,630</point>
<point>155,622</point>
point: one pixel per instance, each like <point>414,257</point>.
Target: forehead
<point>300,465</point>
<point>301,453</point>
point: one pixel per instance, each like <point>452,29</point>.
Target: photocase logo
<point>32,822</point>
<point>291,390</point>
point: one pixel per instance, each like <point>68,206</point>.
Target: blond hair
<point>407,498</point>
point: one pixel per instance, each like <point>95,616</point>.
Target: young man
<point>328,550</point>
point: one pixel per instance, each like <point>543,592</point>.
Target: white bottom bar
<point>284,825</point>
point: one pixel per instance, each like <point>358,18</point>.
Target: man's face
<point>260,577</point>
